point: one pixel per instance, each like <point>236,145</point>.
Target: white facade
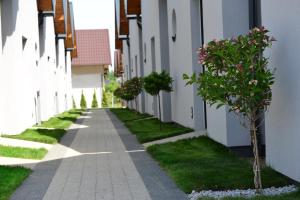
<point>155,50</point>
<point>220,21</point>
<point>87,80</point>
<point>136,58</point>
<point>282,121</point>
<point>29,75</point>
<point>172,33</point>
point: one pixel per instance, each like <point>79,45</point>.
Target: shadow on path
<point>37,184</point>
<point>158,183</point>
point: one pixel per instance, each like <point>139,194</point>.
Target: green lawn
<point>48,136</point>
<point>126,115</point>
<point>62,121</point>
<point>148,130</point>
<point>202,164</point>
<point>50,131</point>
<point>18,152</point>
<point>10,179</point>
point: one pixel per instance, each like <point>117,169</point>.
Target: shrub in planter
<point>237,75</point>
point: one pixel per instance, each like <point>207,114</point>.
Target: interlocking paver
<point>101,169</point>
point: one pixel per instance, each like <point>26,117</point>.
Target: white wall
<point>282,122</point>
<point>150,23</point>
<point>221,21</point>
<point>47,68</point>
<point>136,54</point>
<point>187,106</point>
<point>28,65</point>
<point>18,67</point>
<point>87,79</point>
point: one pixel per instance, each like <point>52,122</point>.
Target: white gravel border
<point>242,193</point>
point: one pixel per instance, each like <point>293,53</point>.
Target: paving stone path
<point>108,164</point>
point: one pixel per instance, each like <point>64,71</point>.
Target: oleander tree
<point>157,82</point>
<point>237,75</point>
<point>124,92</point>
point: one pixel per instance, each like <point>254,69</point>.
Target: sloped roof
<point>93,47</point>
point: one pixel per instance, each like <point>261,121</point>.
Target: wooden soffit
<point>74,53</point>
<point>46,6</point>
<point>69,43</point>
<point>118,69</point>
<point>118,43</point>
<point>134,7</point>
<point>124,24</point>
<point>60,19</point>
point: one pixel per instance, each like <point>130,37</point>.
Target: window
<point>174,26</point>
<point>136,65</point>
<point>145,53</point>
<point>24,42</point>
<point>153,56</point>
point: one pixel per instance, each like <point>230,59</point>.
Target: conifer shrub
<point>83,101</point>
<point>94,102</point>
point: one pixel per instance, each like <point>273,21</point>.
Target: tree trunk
<point>136,104</point>
<point>158,96</point>
<point>256,162</point>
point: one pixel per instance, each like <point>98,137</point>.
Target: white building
<point>282,122</point>
<point>92,63</point>
<point>29,70</point>
<point>173,30</point>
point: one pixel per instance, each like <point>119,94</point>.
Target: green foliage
<point>104,100</point>
<point>10,179</point>
<point>124,92</point>
<point>82,101</point>
<point>202,164</point>
<point>20,152</point>
<point>50,131</point>
<point>237,76</point>
<point>112,83</point>
<point>155,82</point>
<point>73,102</point>
<point>94,102</point>
<point>134,86</point>
<point>236,73</point>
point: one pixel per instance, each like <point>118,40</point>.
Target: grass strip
<point>19,152</point>
<point>148,130</point>
<point>202,164</point>
<point>10,179</point>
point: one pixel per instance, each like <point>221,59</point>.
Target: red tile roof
<point>93,47</point>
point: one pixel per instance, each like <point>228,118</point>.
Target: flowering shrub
<point>130,90</point>
<point>237,76</point>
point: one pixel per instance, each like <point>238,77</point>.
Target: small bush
<point>94,102</point>
<point>73,102</point>
<point>104,100</point>
<point>83,101</point>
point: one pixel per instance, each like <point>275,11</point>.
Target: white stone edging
<point>242,193</point>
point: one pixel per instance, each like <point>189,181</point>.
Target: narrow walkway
<point>108,164</point>
<point>176,138</point>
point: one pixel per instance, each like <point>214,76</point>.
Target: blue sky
<point>95,14</point>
